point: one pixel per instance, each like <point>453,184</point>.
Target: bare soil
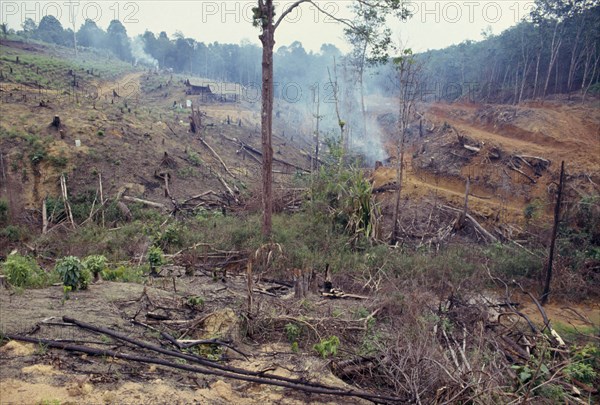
<point>31,374</point>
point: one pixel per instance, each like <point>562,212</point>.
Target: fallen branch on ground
<point>210,368</point>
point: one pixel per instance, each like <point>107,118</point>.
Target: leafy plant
<point>66,293</point>
<point>12,233</point>
<point>327,347</point>
<point>292,332</point>
<point>73,273</point>
<point>22,271</point>
<point>582,372</point>
<point>3,211</point>
<point>195,158</point>
<point>124,274</point>
<point>171,236</point>
<point>196,301</point>
<point>586,362</point>
<point>95,264</point>
<point>155,258</point>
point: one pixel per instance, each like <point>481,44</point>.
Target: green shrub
<point>58,161</point>
<point>196,301</point>
<point>3,211</point>
<point>125,274</point>
<point>72,273</point>
<point>171,236</point>
<point>585,365</point>
<point>95,264</point>
<point>195,158</point>
<point>155,258</point>
<point>292,332</point>
<point>581,372</point>
<point>22,271</point>
<point>12,233</point>
<point>327,347</point>
<point>508,262</point>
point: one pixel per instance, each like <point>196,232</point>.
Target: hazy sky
<point>435,23</point>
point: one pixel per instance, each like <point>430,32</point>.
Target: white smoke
<point>141,57</point>
<point>371,145</point>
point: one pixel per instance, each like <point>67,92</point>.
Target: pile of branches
<point>172,357</point>
<point>468,351</point>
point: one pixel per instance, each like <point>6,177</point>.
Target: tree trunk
<point>268,41</point>
<point>537,73</point>
<point>399,174</point>
<point>362,90</point>
<point>546,292</point>
<point>554,48</point>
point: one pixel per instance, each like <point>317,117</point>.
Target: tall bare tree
<point>264,18</point>
<point>407,72</point>
<point>371,41</point>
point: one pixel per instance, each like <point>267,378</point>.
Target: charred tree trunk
<point>268,41</point>
<point>546,292</point>
<point>399,175</point>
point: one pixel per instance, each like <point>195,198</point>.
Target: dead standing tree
<point>407,78</point>
<point>264,18</point>
<point>548,279</point>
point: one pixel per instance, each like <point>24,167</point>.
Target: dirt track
<point>31,374</point>
<point>554,131</point>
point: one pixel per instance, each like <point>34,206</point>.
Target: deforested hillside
<point>195,221</point>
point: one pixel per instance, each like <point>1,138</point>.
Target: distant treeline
<point>555,50</point>
<point>239,63</point>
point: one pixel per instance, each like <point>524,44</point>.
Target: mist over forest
<point>553,50</point>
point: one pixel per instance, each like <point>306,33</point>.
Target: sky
<point>435,23</point>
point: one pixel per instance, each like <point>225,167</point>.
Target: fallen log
<point>476,224</point>
<point>336,293</point>
<point>301,386</point>
<point>221,370</point>
<point>200,196</point>
<point>513,167</point>
<point>471,148</point>
<point>259,153</point>
<point>386,187</point>
<point>541,159</point>
<point>216,155</point>
<point>145,202</point>
<point>227,187</point>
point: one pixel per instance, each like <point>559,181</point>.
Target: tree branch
<point>341,20</point>
<point>289,10</point>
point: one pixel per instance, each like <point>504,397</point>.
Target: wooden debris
<point>210,368</point>
<point>216,155</point>
<point>476,224</point>
<point>145,202</point>
<point>337,293</point>
<point>63,188</point>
